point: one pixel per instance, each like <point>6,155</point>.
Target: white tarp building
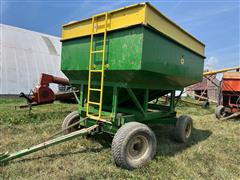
<point>24,55</point>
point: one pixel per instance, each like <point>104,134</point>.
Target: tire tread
<point>118,142</point>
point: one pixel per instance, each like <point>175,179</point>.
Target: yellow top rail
<point>143,13</point>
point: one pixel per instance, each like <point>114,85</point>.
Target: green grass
<point>212,153</point>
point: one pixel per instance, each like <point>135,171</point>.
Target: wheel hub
<point>188,130</point>
<point>137,147</point>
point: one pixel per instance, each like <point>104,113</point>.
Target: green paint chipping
<point>123,51</point>
<point>138,57</point>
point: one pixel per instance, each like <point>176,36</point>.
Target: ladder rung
<point>100,118</point>
<point>100,51</point>
<point>94,89</point>
<point>96,103</point>
<point>94,117</point>
<point>92,69</point>
<point>95,70</point>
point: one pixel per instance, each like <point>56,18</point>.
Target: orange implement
<point>231,81</point>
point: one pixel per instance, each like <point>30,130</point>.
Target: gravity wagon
<point>121,61</point>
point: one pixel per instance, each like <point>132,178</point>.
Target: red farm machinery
<point>43,94</point>
<point>229,96</point>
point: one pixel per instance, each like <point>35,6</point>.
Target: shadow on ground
<point>166,144</point>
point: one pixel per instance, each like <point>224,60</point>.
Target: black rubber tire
<point>183,129</point>
<point>219,111</point>
<point>205,104</point>
<point>69,120</point>
<point>133,145</point>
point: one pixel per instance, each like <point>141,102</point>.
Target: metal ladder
<point>93,70</point>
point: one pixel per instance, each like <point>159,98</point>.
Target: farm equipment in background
<point>229,96</point>
<point>43,94</point>
<point>200,91</point>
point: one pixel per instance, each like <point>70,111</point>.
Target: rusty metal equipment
<point>121,61</point>
<point>43,94</point>
<point>200,90</point>
<point>229,99</point>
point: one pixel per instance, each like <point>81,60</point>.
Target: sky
<point>216,23</point>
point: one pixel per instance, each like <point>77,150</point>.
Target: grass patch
<point>212,153</point>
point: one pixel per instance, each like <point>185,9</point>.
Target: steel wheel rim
<point>188,130</point>
<point>222,112</point>
<point>137,147</point>
<point>75,127</point>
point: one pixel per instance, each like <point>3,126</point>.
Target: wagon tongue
<point>5,157</point>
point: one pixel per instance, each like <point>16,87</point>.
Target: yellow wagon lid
<point>143,13</point>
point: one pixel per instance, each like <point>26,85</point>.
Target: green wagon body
<point>138,57</point>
